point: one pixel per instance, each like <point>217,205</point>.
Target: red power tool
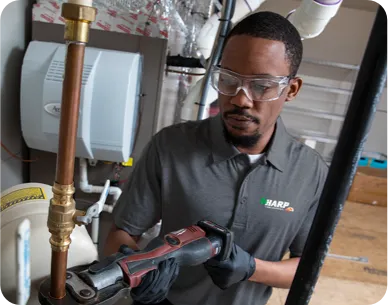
<point>107,281</point>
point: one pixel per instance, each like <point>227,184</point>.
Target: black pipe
<point>362,107</point>
<point>185,62</point>
<point>219,43</point>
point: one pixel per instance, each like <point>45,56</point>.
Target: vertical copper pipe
<point>66,149</point>
<point>58,274</point>
<point>69,113</point>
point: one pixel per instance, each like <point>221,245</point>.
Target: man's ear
<point>293,89</point>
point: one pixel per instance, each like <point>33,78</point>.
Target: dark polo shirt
<point>188,172</point>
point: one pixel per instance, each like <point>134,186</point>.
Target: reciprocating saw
<point>112,278</point>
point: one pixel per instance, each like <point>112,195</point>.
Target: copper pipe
<point>66,149</point>
<point>62,212</point>
<point>58,274</point>
<point>69,114</point>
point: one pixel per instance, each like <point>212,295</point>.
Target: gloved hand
<point>156,284</point>
<point>239,267</point>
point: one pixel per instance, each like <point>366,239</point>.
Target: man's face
<point>251,56</point>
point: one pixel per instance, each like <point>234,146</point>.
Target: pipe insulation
<point>312,17</point>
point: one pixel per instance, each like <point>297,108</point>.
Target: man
<point>240,169</point>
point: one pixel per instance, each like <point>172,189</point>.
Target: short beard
<point>241,141</point>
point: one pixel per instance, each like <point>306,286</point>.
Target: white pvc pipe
<point>208,32</point>
<point>81,2</point>
<point>311,17</point>
<point>88,188</point>
<point>245,7</point>
<point>95,229</point>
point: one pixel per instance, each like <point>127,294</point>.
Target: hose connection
<point>78,19</point>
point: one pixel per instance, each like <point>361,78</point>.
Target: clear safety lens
<point>255,89</point>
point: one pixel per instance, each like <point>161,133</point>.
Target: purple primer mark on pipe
<point>328,2</point>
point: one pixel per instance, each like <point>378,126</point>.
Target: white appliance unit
<point>109,103</point>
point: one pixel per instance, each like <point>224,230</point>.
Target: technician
<point>240,169</point>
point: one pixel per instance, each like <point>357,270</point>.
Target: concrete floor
<point>337,292</point>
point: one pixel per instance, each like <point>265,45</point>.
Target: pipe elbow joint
<point>116,193</point>
<point>312,17</point>
<point>85,186</point>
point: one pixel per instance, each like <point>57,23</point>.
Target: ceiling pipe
<point>312,17</point>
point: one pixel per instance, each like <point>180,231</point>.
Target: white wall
<point>15,25</point>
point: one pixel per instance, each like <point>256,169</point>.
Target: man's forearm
<point>116,238</point>
<point>275,274</point>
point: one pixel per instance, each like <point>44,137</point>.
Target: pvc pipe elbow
<point>311,17</point>
<point>107,208</point>
<point>116,193</point>
<point>85,187</point>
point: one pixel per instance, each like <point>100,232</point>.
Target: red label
<point>55,5</point>
<point>124,28</point>
<point>47,17</point>
<point>105,26</point>
<point>164,33</point>
<point>112,12</point>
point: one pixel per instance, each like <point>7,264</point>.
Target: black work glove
<point>156,284</point>
<point>239,267</point>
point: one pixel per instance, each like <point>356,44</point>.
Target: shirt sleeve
<point>297,245</point>
<point>139,206</point>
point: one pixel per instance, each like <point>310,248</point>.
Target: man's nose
<point>241,100</point>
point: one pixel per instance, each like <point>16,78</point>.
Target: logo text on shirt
<point>276,204</point>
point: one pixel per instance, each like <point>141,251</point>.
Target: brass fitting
<point>60,218</point>
<point>78,19</point>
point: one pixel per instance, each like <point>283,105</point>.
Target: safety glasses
<point>264,88</point>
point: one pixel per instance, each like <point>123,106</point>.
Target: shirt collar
<point>222,150</point>
<point>277,150</point>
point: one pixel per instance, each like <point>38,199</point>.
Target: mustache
<point>241,112</point>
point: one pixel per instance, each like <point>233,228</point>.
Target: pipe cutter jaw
<point>78,292</point>
<point>107,281</point>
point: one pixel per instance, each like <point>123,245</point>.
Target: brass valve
<point>61,216</point>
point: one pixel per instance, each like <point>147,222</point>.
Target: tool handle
<point>190,246</point>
